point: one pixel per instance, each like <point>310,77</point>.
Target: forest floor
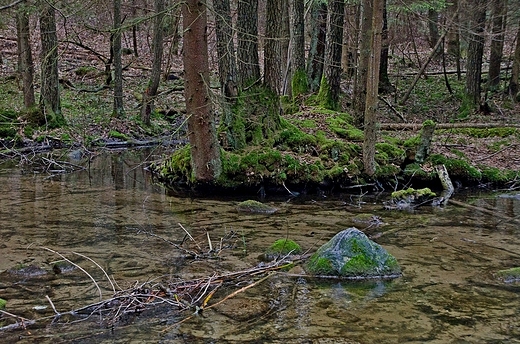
<point>489,138</point>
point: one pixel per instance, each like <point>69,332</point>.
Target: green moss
<point>252,206</point>
<point>456,167</point>
<point>493,174</point>
<point>2,303</point>
<point>117,135</point>
<point>320,266</point>
<point>344,129</point>
<point>415,170</point>
<point>388,153</point>
<point>509,275</point>
<point>284,246</point>
<point>357,265</point>
<point>85,70</point>
<point>295,138</point>
<point>405,193</point>
<point>385,171</point>
<point>412,142</point>
<point>178,166</point>
<point>324,96</point>
<point>299,84</point>
<point>308,123</point>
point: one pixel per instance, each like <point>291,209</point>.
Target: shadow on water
<point>448,293</point>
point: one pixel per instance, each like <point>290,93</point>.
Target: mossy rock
<point>410,198</point>
<point>509,275</point>
<point>284,246</point>
<point>351,254</point>
<point>251,206</point>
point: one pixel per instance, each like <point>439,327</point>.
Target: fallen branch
<point>417,126</point>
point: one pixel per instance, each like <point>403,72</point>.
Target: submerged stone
<point>251,206</point>
<point>351,254</point>
<point>509,275</point>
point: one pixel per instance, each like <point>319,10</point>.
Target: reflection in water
<point>448,293</point>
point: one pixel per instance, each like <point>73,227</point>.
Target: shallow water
<point>448,293</point>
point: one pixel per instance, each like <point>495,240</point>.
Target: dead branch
<point>418,126</point>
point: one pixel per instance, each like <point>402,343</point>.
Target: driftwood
<point>417,126</point>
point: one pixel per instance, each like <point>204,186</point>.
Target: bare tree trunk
<point>50,91</point>
<point>385,86</point>
<point>247,51</point>
<point>497,42</point>
<point>476,51</point>
<point>151,91</point>
<point>275,47</point>
<point>25,61</point>
<point>350,39</point>
<point>225,49</point>
<point>515,71</point>
<point>205,151</point>
<point>454,36</point>
<point>360,89</point>
<point>330,82</point>
<point>316,54</point>
<point>370,132</point>
<point>299,76</point>
<point>118,67</point>
<point>433,28</point>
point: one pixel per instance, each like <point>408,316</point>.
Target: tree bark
<point>385,86</point>
<point>330,83</point>
<point>275,46</point>
<point>225,50</point>
<point>497,42</point>
<point>299,76</point>
<point>515,70</point>
<point>318,23</point>
<point>118,66</point>
<point>205,151</point>
<point>155,77</point>
<point>247,36</point>
<point>476,51</point>
<point>454,36</point>
<point>360,84</point>
<point>370,132</point>
<point>25,61</point>
<point>50,94</point>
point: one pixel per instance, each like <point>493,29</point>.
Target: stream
<point>112,213</point>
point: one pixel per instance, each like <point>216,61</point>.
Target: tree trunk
<point>155,77</point>
<point>433,29</point>
<point>205,151</point>
<point>350,38</point>
<point>497,43</point>
<point>515,70</point>
<point>247,36</point>
<point>275,46</point>
<point>118,66</point>
<point>475,52</point>
<point>370,132</point>
<point>299,84</point>
<point>225,50</point>
<point>25,61</point>
<point>360,85</point>
<point>318,23</point>
<point>330,83</point>
<point>50,91</point>
<point>385,86</point>
<point>454,36</point>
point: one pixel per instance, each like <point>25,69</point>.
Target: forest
<point>296,94</point>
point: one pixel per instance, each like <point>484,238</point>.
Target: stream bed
<point>112,213</point>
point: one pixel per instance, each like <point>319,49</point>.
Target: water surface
<point>112,213</point>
